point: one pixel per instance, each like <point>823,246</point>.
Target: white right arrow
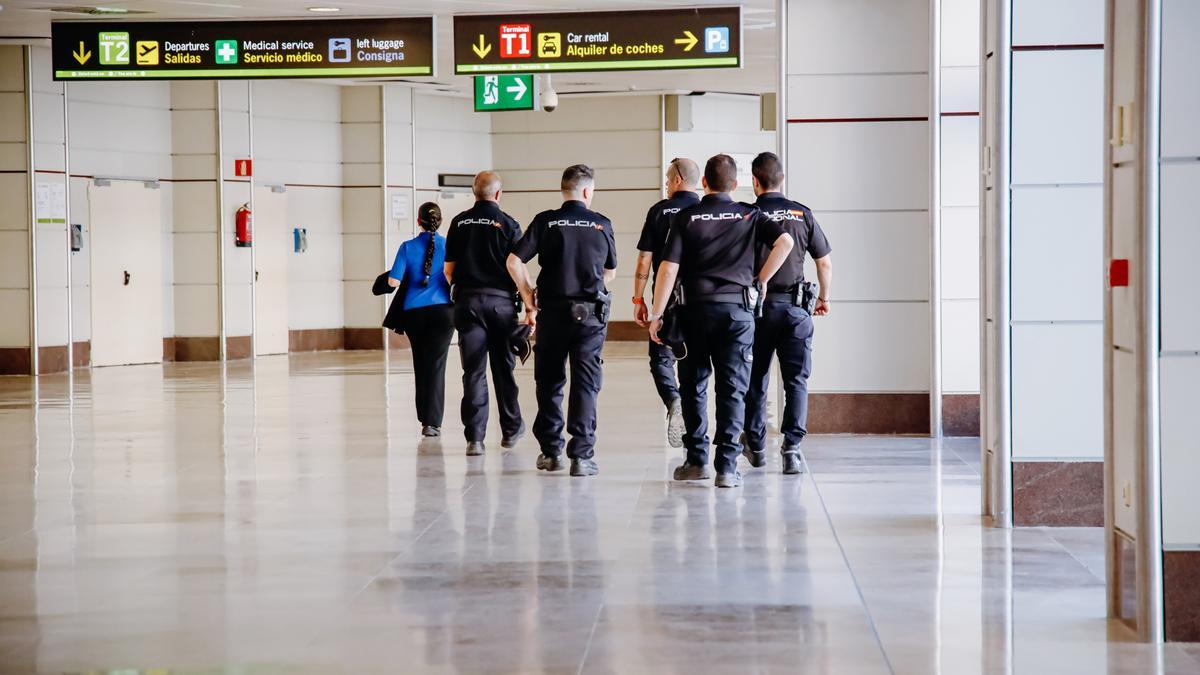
<point>519,88</point>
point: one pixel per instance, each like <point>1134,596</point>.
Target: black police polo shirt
<point>478,244</point>
<point>574,246</point>
<point>798,221</point>
<point>715,243</point>
<point>658,224</point>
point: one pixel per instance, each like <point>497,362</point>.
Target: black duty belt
<point>778,297</point>
<point>732,298</point>
<point>489,292</point>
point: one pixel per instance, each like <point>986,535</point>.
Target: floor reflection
<point>284,516</point>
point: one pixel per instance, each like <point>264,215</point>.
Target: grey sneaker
<point>550,462</point>
<point>688,471</point>
<point>475,448</point>
<point>728,480</point>
<point>584,467</point>
<point>430,431</point>
<point>675,426</point>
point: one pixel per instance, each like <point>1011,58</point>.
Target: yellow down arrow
<point>82,54</point>
<point>688,39</point>
<point>482,49</point>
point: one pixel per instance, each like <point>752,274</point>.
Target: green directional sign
<point>504,92</point>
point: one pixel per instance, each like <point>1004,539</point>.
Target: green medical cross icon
<point>227,52</point>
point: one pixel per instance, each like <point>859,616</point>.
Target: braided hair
<point>429,217</point>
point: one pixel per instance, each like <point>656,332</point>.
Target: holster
<point>755,298</point>
<point>806,296</point>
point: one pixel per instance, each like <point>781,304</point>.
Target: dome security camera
<point>548,97</point>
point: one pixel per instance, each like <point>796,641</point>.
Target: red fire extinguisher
<point>244,235</point>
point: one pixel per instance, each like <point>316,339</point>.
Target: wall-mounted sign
<point>92,50</point>
<point>703,37</point>
<point>504,92</point>
<point>243,167</point>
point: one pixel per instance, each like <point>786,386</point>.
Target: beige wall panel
<point>833,158</point>
<point>14,306</point>
<point>960,253</point>
<point>858,36</point>
<point>960,346</point>
<point>1058,22</point>
<point>362,211</point>
<point>872,347</point>
<point>878,256</point>
<point>1058,251</point>
<point>1180,390</point>
<point>1057,384</point>
<point>828,96</point>
<point>362,256</point>
<point>576,114</point>
<point>14,248</point>
<point>1058,117</point>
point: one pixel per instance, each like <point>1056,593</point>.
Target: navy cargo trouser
<point>785,330</point>
<point>484,324</point>
<point>562,340</point>
<point>720,340</point>
<point>662,369</point>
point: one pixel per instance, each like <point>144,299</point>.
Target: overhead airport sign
<point>177,50</point>
<point>504,92</point>
<point>703,37</point>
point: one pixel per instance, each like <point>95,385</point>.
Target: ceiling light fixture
<point>325,9</point>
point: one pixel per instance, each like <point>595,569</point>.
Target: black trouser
<point>561,339</point>
<point>429,330</point>
<point>485,323</point>
<point>662,369</point>
<point>720,338</point>
<point>785,330</point>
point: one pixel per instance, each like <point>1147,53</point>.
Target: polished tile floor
<point>283,517</point>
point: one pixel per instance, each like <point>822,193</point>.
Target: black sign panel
<point>705,37</point>
<point>213,50</point>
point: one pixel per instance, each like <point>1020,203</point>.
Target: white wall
<point>617,136</point>
<point>14,195</point>
<point>1179,388</point>
<point>298,144</point>
<point>959,195</point>
<point>866,181</point>
<point>1057,231</point>
<point>723,123</point>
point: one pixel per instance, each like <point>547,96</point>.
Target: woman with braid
<point>428,317</point>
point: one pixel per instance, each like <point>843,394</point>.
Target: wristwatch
<point>653,317</point>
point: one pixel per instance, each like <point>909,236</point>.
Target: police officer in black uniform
<point>485,311</point>
<point>712,246</point>
<point>786,327</point>
<point>577,251</point>
<point>683,177</point>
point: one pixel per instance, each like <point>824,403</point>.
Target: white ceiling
<point>26,19</point>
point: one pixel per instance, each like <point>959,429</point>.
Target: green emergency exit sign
<point>504,92</point>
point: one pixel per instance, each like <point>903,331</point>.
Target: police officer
<point>682,178</point>
<point>577,251</point>
<point>485,312</point>
<point>712,246</point>
<point>785,328</point>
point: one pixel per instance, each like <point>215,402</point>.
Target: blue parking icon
<point>716,39</point>
<point>339,50</point>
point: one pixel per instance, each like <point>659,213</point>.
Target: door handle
<point>126,277</point>
<point>256,275</point>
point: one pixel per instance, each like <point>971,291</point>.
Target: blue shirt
<point>410,263</point>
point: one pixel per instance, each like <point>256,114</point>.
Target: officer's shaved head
<point>768,169</point>
<point>685,170</point>
<point>577,177</point>
<point>487,185</point>
<point>720,173</point>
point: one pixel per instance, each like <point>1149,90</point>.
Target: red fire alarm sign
<point>242,167</point>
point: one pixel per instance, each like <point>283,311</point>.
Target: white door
<point>272,242</point>
<point>126,255</point>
